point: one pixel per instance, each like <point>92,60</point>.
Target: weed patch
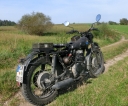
<point>7,84</point>
<point>105,32</point>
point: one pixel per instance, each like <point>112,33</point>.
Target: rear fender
<point>33,56</point>
<point>29,58</point>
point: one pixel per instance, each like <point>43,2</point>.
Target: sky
<point>74,11</point>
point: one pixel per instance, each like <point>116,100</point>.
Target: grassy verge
<point>110,52</point>
<point>15,44</point>
<point>7,84</point>
<point>110,89</point>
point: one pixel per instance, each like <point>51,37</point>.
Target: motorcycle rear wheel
<point>30,89</point>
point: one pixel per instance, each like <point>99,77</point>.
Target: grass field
<point>15,44</point>
<point>123,29</point>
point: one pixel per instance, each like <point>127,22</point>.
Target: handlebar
<point>75,31</point>
<point>93,29</point>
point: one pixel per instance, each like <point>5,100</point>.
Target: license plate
<point>19,73</point>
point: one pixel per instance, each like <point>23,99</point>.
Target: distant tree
<point>112,23</point>
<point>123,21</point>
<point>0,22</point>
<point>103,22</point>
<point>35,23</point>
<point>7,23</point>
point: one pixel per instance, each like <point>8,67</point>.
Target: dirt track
<point>107,65</point>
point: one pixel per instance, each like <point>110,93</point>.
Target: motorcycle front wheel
<point>97,64</point>
<point>37,88</point>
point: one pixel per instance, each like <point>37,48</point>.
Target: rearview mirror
<point>98,17</point>
<point>66,23</point>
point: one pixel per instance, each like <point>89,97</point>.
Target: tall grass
<point>62,28</point>
<point>105,32</point>
<point>7,84</point>
<point>15,44</point>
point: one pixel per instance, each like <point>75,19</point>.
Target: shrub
<point>35,23</point>
<point>112,23</point>
<point>106,33</point>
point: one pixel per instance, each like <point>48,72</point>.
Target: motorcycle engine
<point>79,58</point>
<point>80,63</point>
<point>67,60</point>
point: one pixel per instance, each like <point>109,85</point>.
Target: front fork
<point>95,50</point>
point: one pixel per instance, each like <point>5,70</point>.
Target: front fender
<point>95,47</point>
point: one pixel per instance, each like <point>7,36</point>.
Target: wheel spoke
<point>37,91</point>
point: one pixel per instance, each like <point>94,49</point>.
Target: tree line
<point>123,21</point>
<point>7,23</point>
<point>38,23</point>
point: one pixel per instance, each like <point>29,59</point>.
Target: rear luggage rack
<point>43,47</point>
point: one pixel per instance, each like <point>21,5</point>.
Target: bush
<point>105,33</point>
<point>112,23</point>
<point>35,23</point>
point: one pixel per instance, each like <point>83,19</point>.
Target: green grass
<point>7,84</point>
<point>123,29</point>
<point>62,28</point>
<point>110,89</point>
<point>15,44</point>
<point>110,52</point>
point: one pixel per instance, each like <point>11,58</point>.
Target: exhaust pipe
<point>62,84</point>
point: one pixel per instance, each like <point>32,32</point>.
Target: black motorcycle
<point>52,67</point>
